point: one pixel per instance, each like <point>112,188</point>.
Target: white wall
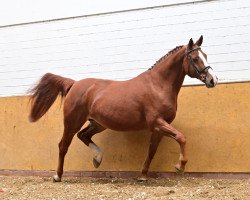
<point>121,45</point>
<point>24,11</point>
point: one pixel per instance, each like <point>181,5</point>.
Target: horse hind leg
<point>68,134</point>
<point>85,136</point>
<point>63,148</point>
<point>73,121</point>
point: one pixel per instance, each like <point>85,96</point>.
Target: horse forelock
<point>171,52</point>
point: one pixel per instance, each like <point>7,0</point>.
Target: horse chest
<point>165,108</point>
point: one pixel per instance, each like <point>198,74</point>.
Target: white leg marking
<point>97,151</point>
<point>56,178</point>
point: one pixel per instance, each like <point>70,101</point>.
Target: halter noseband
<point>199,72</point>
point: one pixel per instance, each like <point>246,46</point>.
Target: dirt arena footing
<point>126,174</point>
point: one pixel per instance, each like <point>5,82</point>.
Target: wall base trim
<point>127,174</point>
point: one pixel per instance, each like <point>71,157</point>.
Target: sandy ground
<point>90,188</point>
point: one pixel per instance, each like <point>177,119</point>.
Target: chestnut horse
<point>146,102</point>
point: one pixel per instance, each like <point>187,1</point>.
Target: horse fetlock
<point>143,176</point>
<point>183,160</point>
<point>144,172</point>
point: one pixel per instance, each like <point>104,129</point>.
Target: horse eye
<point>195,59</point>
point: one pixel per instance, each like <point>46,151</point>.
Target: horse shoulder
<point>160,104</point>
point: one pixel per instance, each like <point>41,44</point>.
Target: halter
<point>199,72</point>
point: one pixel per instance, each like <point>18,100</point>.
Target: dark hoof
<point>179,171</point>
<point>96,163</point>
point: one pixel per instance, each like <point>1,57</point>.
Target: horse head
<point>196,66</point>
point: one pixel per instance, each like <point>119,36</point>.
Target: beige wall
<point>215,122</point>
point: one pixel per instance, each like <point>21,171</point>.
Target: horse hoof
<point>56,178</point>
<point>142,179</point>
<point>179,171</point>
<point>96,163</point>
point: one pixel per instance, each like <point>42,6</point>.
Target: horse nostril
<point>212,81</point>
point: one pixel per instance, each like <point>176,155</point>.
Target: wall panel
<point>123,44</point>
<point>214,121</point>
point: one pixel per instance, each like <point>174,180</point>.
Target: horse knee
<point>181,139</point>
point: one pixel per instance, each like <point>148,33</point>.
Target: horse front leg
<point>162,127</point>
<point>154,143</point>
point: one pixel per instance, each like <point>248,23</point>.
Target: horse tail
<point>44,94</point>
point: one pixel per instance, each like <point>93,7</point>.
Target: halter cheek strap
<point>191,61</point>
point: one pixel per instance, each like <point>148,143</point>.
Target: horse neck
<point>171,72</point>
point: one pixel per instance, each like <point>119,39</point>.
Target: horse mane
<point>166,56</point>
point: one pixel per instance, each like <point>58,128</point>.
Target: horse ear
<point>190,43</point>
<point>199,42</point>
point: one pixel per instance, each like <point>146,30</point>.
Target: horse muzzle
<point>211,79</point>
